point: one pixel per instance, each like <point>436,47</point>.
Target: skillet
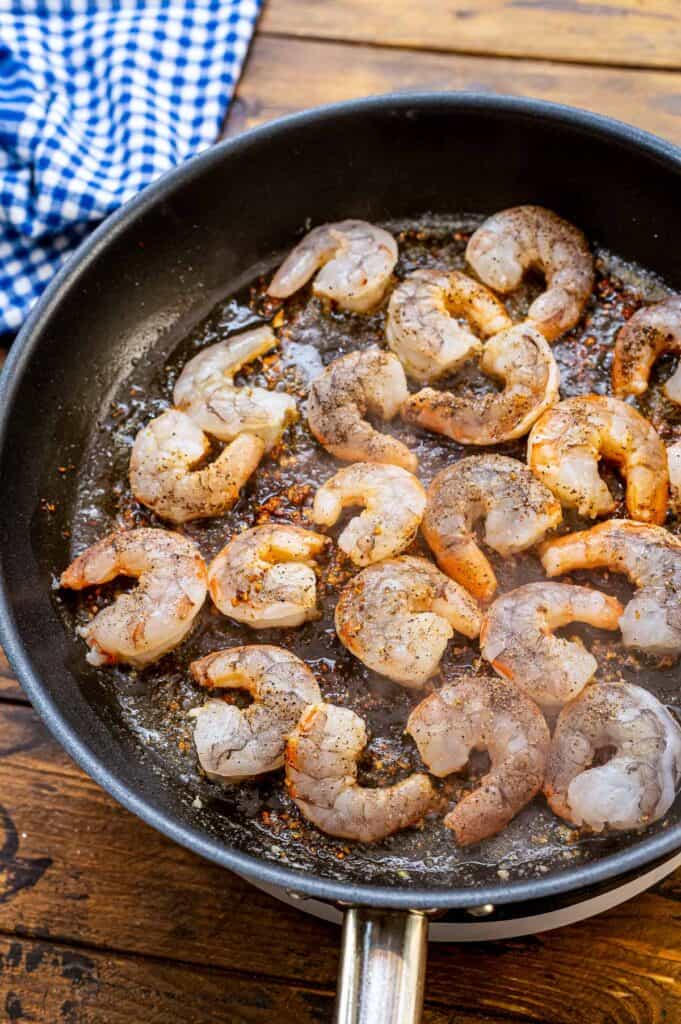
<point>139,284</point>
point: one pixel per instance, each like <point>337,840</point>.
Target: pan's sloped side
<point>158,264</point>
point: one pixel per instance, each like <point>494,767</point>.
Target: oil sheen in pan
<point>258,816</point>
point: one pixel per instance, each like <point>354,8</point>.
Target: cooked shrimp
<point>512,241</point>
<point>351,386</point>
<point>651,557</point>
<point>321,775</point>
<point>566,444</point>
<point>521,359</point>
<point>162,476</point>
<point>674,466</point>
<point>637,783</point>
<point>394,502</point>
<point>205,390</point>
<point>356,261</point>
<point>234,744</point>
<point>398,616</point>
<point>650,332</point>
<point>422,326</point>
<point>476,713</point>
<point>517,639</point>
<point>517,508</point>
<point>265,576</point>
<point>142,624</point>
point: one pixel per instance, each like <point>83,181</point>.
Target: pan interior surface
<point>184,270</point>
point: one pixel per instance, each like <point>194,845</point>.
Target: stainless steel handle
<point>382,967</point>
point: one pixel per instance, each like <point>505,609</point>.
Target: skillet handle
<point>382,967</point>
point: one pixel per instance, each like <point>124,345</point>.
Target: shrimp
<point>566,444</point>
<point>516,638</point>
<point>511,242</point>
<point>422,326</point>
<point>351,386</point>
<point>265,576</point>
<point>521,359</point>
<point>651,557</point>
<point>637,783</point>
<point>650,332</point>
<point>356,260</point>
<point>234,744</point>
<point>478,713</point>
<point>162,476</point>
<point>205,390</point>
<point>321,776</point>
<point>147,622</point>
<point>397,618</point>
<point>394,502</point>
<point>674,466</point>
<point>518,510</point>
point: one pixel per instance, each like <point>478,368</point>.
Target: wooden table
<point>101,919</point>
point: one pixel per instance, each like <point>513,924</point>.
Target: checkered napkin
<point>98,98</point>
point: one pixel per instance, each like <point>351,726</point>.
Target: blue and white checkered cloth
<point>98,98</point>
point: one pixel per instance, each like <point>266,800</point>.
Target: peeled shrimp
<point>674,465</point>
<point>650,332</point>
<point>512,241</point>
<point>517,639</point>
<point>265,576</point>
<point>394,502</point>
<point>651,557</point>
<point>351,386</point>
<point>321,775</point>
<point>233,743</point>
<point>517,508</point>
<point>521,359</point>
<point>477,713</point>
<point>205,390</point>
<point>398,616</point>
<point>162,476</point>
<point>356,261</point>
<point>142,624</point>
<point>566,444</point>
<point>422,326</point>
<point>638,782</point>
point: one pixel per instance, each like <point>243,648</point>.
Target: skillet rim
<point>604,869</point>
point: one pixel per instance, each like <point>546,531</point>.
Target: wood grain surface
<point>102,920</point>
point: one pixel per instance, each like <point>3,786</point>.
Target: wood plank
<point>9,686</point>
<point>76,868</point>
<point>643,33</point>
<point>50,982</point>
<point>286,75</point>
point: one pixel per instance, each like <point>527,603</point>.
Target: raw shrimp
<point>398,616</point>
<point>517,508</point>
<point>566,444</point>
<point>651,557</point>
<point>394,502</point>
<point>142,624</point>
<point>233,743</point>
<point>162,476</point>
<point>642,741</point>
<point>521,359</point>
<point>512,241</point>
<point>674,466</point>
<point>422,326</point>
<point>205,391</point>
<point>321,776</point>
<point>351,386</point>
<point>650,332</point>
<point>478,713</point>
<point>356,261</point>
<point>517,639</point>
<point>265,576</point>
